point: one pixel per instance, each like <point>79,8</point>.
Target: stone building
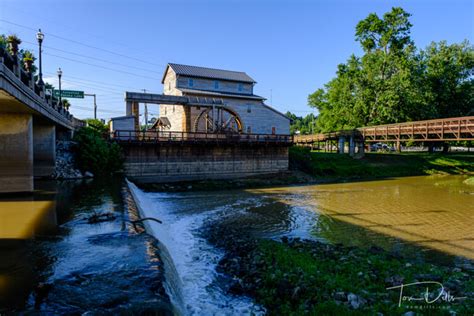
<point>238,109</point>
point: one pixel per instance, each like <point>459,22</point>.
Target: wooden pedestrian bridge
<point>438,130</point>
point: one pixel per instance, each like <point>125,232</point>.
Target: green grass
<point>319,274</point>
<point>374,165</point>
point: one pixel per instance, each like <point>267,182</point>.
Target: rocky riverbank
<point>293,277</point>
<point>65,165</point>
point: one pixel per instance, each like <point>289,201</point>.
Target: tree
<point>449,78</point>
<point>303,125</point>
<point>393,82</point>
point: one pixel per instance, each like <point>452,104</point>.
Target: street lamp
<point>60,73</point>
<point>40,37</point>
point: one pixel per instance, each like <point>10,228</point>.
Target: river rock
<point>356,301</point>
<point>340,296</point>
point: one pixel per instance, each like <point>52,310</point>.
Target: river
<point>429,218</point>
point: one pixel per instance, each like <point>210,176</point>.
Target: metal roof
<point>210,73</point>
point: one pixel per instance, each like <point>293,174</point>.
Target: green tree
<point>449,78</point>
<point>303,125</point>
<point>94,153</point>
<point>393,82</point>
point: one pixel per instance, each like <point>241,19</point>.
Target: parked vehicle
<point>381,147</point>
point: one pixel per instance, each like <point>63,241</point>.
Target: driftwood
<point>135,222</point>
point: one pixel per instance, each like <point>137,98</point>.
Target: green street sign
<point>69,94</point>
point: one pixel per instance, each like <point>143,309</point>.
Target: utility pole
<point>95,103</point>
<point>146,113</point>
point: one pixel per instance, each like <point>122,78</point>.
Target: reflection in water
<point>103,267</point>
<point>21,218</point>
<point>433,212</point>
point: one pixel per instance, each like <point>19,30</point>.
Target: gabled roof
<point>209,73</point>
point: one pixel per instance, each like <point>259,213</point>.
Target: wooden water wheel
<point>218,120</point>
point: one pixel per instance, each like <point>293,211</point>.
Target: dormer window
<point>216,84</point>
<point>190,82</point>
<point>240,87</point>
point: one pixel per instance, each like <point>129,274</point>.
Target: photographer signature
<point>442,294</point>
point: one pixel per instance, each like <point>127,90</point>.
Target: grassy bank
<point>378,165</point>
<point>297,277</point>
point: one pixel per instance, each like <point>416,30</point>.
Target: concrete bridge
<point>29,125</point>
<point>431,131</point>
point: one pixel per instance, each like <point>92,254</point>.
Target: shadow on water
<point>54,261</point>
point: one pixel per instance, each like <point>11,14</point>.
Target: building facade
<point>238,109</point>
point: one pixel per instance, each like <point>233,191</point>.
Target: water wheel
<point>218,120</point>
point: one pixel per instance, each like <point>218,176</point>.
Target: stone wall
<point>174,162</point>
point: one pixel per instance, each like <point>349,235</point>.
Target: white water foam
<point>191,274</point>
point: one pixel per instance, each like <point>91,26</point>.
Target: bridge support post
<point>16,153</point>
<point>340,147</point>
<point>44,150</point>
<point>351,146</point>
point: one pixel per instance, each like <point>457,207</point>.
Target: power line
<point>99,66</point>
<point>80,43</point>
<point>93,58</point>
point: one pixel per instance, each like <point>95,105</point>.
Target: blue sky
<point>290,48</point>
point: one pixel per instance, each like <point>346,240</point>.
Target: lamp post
<point>40,37</point>
<point>60,73</point>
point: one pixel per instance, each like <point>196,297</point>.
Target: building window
<point>216,84</point>
<point>249,108</point>
<point>249,130</point>
<point>190,82</point>
<point>165,109</point>
<point>273,130</point>
<point>240,87</point>
<point>173,108</point>
<point>169,85</point>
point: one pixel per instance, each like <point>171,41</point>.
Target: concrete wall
<point>44,150</point>
<point>194,162</point>
<point>16,153</point>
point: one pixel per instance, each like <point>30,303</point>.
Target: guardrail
<point>26,79</point>
<point>131,136</point>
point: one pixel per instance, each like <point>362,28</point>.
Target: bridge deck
<point>449,129</point>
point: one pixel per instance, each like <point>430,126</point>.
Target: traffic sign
<point>69,94</point>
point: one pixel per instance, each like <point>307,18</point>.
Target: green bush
<point>95,154</point>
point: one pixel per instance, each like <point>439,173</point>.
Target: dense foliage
<point>393,81</point>
<point>94,153</point>
<point>303,125</point>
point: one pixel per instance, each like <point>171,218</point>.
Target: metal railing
<point>12,65</point>
<point>448,129</point>
<point>132,136</point>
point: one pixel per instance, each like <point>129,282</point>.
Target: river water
<point>45,240</point>
<point>427,218</point>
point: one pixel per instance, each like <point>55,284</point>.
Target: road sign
<point>69,94</point>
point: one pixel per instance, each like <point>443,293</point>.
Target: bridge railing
<point>12,65</point>
<point>132,136</point>
<point>448,129</point>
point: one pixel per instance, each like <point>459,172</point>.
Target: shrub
<point>95,154</point>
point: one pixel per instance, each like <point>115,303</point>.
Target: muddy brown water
<point>52,260</point>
